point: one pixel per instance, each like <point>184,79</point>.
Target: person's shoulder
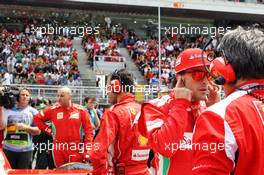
<point>125,108</point>
<point>222,106</point>
<point>54,106</point>
<point>32,109</point>
<point>161,101</point>
<point>79,107</point>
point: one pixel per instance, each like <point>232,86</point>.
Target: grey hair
<point>244,50</point>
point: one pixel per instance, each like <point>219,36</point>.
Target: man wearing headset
<point>19,128</point>
<point>235,125</point>
<point>168,121</point>
<point>118,137</point>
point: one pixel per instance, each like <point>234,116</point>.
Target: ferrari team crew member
<point>118,135</point>
<point>169,120</point>
<point>237,122</point>
<point>69,122</point>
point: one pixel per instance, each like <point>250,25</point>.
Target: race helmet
<point>190,58</point>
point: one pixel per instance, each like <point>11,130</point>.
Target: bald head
<point>66,90</point>
<point>64,96</point>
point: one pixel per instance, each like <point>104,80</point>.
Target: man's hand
<point>86,158</point>
<point>214,94</point>
<point>180,91</point>
<point>48,131</point>
<point>22,126</point>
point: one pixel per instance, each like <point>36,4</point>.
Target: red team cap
<point>190,58</point>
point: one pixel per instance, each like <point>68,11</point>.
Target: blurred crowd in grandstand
<point>144,52</point>
<point>30,59</point>
<point>145,55</point>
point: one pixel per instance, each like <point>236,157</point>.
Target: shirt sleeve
<point>169,131</point>
<point>40,119</point>
<point>87,127</point>
<point>105,137</point>
<point>214,146</point>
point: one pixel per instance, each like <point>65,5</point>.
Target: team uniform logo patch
<point>60,115</point>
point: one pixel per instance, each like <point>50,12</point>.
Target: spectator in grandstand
<point>154,81</point>
<point>7,78</point>
<point>69,120</point>
<point>19,128</point>
<point>40,79</point>
<point>49,80</point>
<point>71,81</point>
<point>90,103</point>
<point>177,112</point>
<point>78,81</point>
<point>31,79</point>
<point>118,135</point>
<point>11,60</point>
<point>236,122</point>
<point>63,79</point>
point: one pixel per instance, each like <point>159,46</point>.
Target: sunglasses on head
<point>199,75</point>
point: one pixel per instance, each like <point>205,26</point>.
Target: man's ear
<point>181,78</point>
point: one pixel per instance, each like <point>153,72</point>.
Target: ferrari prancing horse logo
<point>143,141</point>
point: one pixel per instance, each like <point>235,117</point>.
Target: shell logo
<point>142,140</point>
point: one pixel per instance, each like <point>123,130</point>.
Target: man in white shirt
<point>7,79</point>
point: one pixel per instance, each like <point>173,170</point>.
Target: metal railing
<point>142,92</point>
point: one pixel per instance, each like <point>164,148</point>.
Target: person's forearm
<point>2,125</point>
<point>97,121</point>
<point>33,130</point>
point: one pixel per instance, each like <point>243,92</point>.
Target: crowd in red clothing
<point>145,55</point>
<point>30,58</point>
<point>102,48</point>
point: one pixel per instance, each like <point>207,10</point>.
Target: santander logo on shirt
<point>186,142</point>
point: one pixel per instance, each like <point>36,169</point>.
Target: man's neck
<point>21,106</point>
<point>67,105</point>
<point>119,97</point>
<point>231,87</point>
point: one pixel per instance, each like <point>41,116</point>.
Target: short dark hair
<point>86,99</point>
<point>126,79</point>
<point>244,50</point>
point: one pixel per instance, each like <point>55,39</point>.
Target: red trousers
<point>63,155</point>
